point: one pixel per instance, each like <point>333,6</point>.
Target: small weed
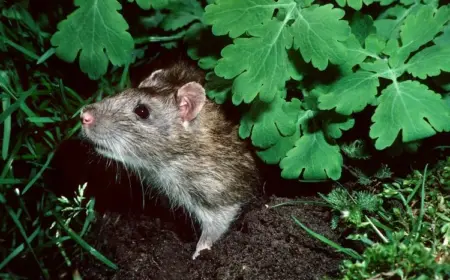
<point>405,228</point>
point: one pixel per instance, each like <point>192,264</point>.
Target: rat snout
<point>86,116</point>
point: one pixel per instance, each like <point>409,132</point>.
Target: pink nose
<point>87,118</point>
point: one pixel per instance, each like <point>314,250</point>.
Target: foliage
<point>351,207</point>
<point>405,228</point>
<point>301,71</point>
<point>383,63</point>
<point>94,28</point>
<point>39,111</point>
<point>386,59</point>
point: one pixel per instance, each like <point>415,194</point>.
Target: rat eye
<point>141,111</point>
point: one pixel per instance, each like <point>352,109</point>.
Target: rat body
<point>179,142</point>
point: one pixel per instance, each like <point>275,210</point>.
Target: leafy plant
<point>388,60</point>
<point>405,228</point>
<point>351,207</point>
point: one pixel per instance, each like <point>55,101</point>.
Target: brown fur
<point>206,167</point>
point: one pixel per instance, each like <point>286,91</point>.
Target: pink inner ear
<point>191,98</point>
<point>184,108</point>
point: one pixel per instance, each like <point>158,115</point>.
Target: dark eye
<point>141,111</point>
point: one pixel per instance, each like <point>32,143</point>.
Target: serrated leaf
<point>362,26</point>
<point>334,125</point>
<point>97,31</point>
<point>266,122</point>
<point>382,69</point>
<point>429,62</point>
<point>389,23</point>
<point>275,153</point>
<point>409,107</point>
<point>351,93</point>
<point>236,17</point>
<point>313,156</point>
<point>174,21</point>
<point>182,14</point>
<point>356,55</point>
<point>319,34</point>
<point>419,29</point>
<point>444,38</point>
<point>260,63</point>
<point>374,45</point>
<point>354,4</point>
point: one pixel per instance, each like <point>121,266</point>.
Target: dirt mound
<point>264,243</point>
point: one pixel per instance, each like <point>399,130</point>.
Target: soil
<point>264,244</point>
<point>155,242</point>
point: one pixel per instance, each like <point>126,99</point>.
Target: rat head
<point>145,122</point>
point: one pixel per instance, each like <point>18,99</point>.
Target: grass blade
<point>84,244</point>
<point>19,249</point>
<point>7,166</point>
<point>6,102</point>
<point>327,241</point>
<point>43,119</point>
<point>8,111</point>
<point>39,174</point>
<point>418,225</point>
<point>46,55</point>
<point>24,107</point>
<point>10,181</point>
<point>296,202</point>
<point>21,229</point>
<point>20,48</point>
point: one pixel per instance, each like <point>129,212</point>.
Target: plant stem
<point>155,39</point>
<point>385,240</point>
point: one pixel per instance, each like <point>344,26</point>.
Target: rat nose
<point>87,118</point>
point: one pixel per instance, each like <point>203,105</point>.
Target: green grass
<point>406,236</point>
<point>35,120</point>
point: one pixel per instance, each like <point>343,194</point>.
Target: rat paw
<point>200,247</point>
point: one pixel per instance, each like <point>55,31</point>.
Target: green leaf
<point>181,14</point>
<point>389,23</point>
<point>354,4</point>
<point>409,107</point>
<point>6,103</point>
<point>313,156</point>
<point>429,62</point>
<point>335,124</point>
<point>419,29</point>
<point>362,26</point>
<point>444,38</point>
<point>156,4</point>
<point>260,63</point>
<point>217,89</point>
<point>267,121</point>
<point>46,55</point>
<point>239,16</point>
<point>351,93</point>
<point>356,55</point>
<point>275,153</point>
<point>97,31</point>
<point>319,34</point>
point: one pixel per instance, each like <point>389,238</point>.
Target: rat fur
<point>185,147</point>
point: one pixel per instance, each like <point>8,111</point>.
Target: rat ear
<point>151,80</point>
<point>191,97</point>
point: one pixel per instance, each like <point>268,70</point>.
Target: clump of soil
<point>264,243</point>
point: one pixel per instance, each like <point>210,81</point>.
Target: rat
<point>179,142</point>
